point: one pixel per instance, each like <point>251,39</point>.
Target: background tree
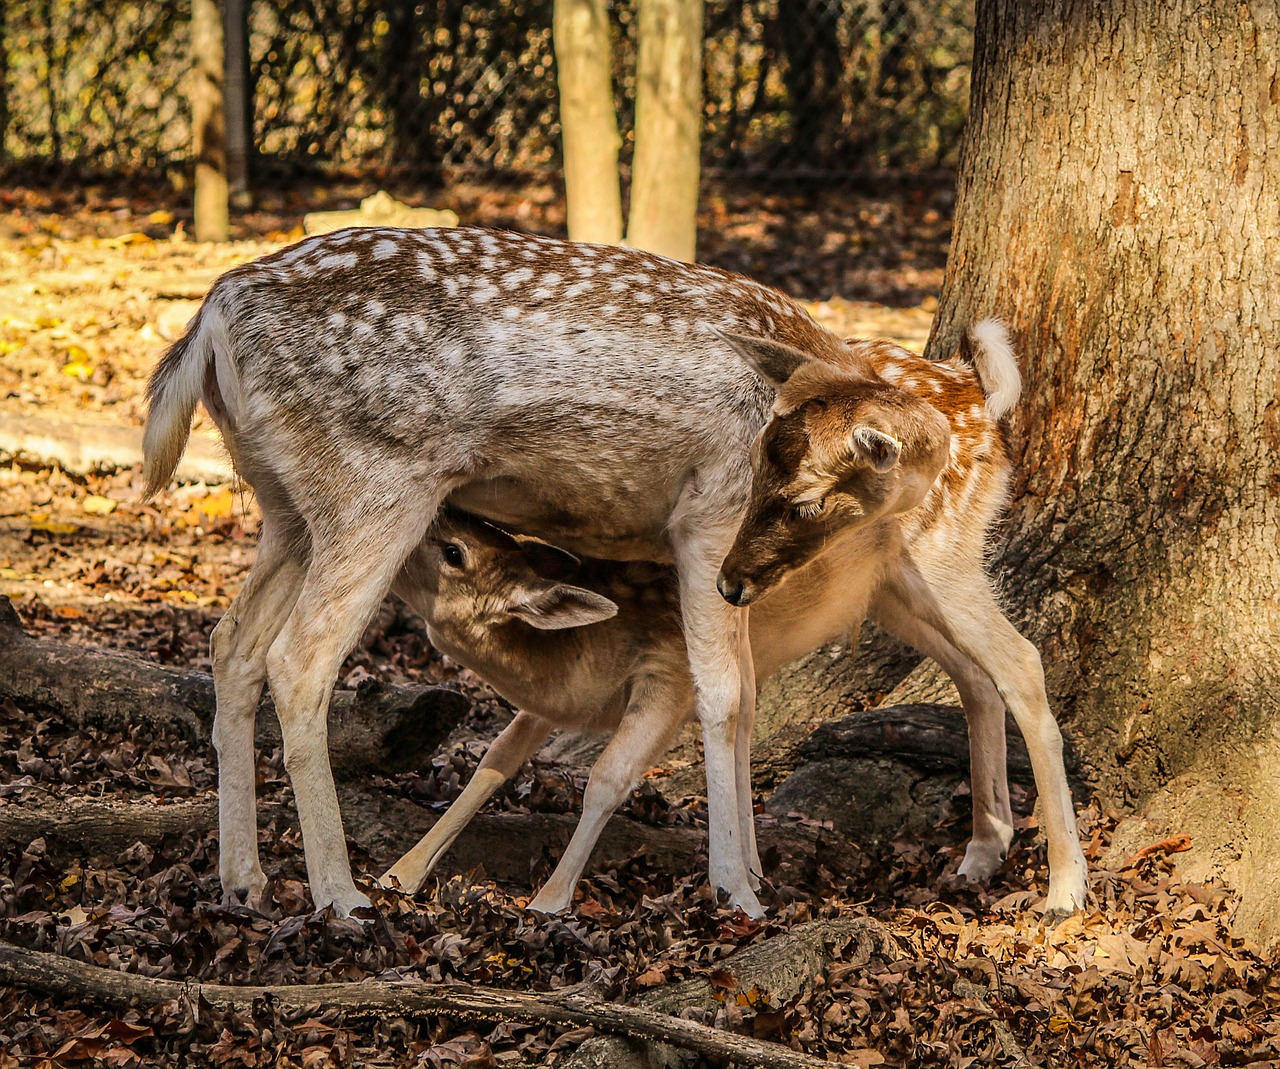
<point>239,99</point>
<point>664,177</point>
<point>208,122</point>
<point>1119,206</point>
<point>588,120</point>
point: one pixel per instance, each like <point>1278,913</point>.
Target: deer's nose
<point>733,591</point>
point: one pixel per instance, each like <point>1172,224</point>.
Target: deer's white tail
<point>996,365</point>
<point>186,374</point>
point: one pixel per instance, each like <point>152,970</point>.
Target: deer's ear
<point>876,448</point>
<point>559,606</point>
<point>773,361</point>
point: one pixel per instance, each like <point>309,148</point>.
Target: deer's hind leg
<point>238,648</point>
<point>984,711</point>
<point>355,556</point>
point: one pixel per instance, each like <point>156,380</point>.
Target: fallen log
<point>378,726</point>
<point>387,826</point>
<point>933,738</point>
<point>83,448</point>
<point>61,977</point>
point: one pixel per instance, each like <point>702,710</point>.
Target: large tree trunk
<point>1119,206</point>
<point>208,122</point>
<point>664,181</point>
<point>588,120</point>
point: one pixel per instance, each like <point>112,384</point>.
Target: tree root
<point>53,975</point>
<point>780,968</point>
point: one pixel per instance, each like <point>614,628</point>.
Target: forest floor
<point>93,284</point>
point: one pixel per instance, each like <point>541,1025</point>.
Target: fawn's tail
<point>989,350</point>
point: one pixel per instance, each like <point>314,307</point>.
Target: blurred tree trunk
<point>588,120</point>
<point>239,102</point>
<point>208,122</point>
<point>664,183</point>
<point>1119,206</point>
<point>812,75</point>
<point>4,77</point>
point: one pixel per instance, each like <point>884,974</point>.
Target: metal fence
<point>813,88</point>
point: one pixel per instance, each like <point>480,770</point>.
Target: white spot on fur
<point>578,289</point>
<point>426,266</point>
<point>375,309</point>
<point>642,297</point>
<point>338,261</point>
<point>520,275</point>
<point>484,292</point>
<point>384,247</point>
<point>651,319</point>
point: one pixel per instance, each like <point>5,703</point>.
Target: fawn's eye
<point>807,510</point>
<point>452,554</point>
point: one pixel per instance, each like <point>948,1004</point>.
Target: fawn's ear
<point>876,448</point>
<point>558,606</point>
<point>550,562</point>
<point>773,361</point>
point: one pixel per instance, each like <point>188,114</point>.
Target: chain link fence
<point>813,89</point>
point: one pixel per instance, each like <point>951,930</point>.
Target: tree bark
<point>208,122</point>
<point>588,120</point>
<point>378,726</point>
<point>1118,205</point>
<point>664,182</point>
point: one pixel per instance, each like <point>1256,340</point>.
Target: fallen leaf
<point>99,506</point>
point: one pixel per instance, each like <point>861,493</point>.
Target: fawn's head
<point>843,449</point>
<point>474,577</point>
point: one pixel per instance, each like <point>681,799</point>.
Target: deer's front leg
<point>518,742</point>
<point>716,634</point>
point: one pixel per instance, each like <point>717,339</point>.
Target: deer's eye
<point>452,554</point>
<point>807,510</point>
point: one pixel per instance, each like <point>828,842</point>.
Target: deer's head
<point>843,449</point>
